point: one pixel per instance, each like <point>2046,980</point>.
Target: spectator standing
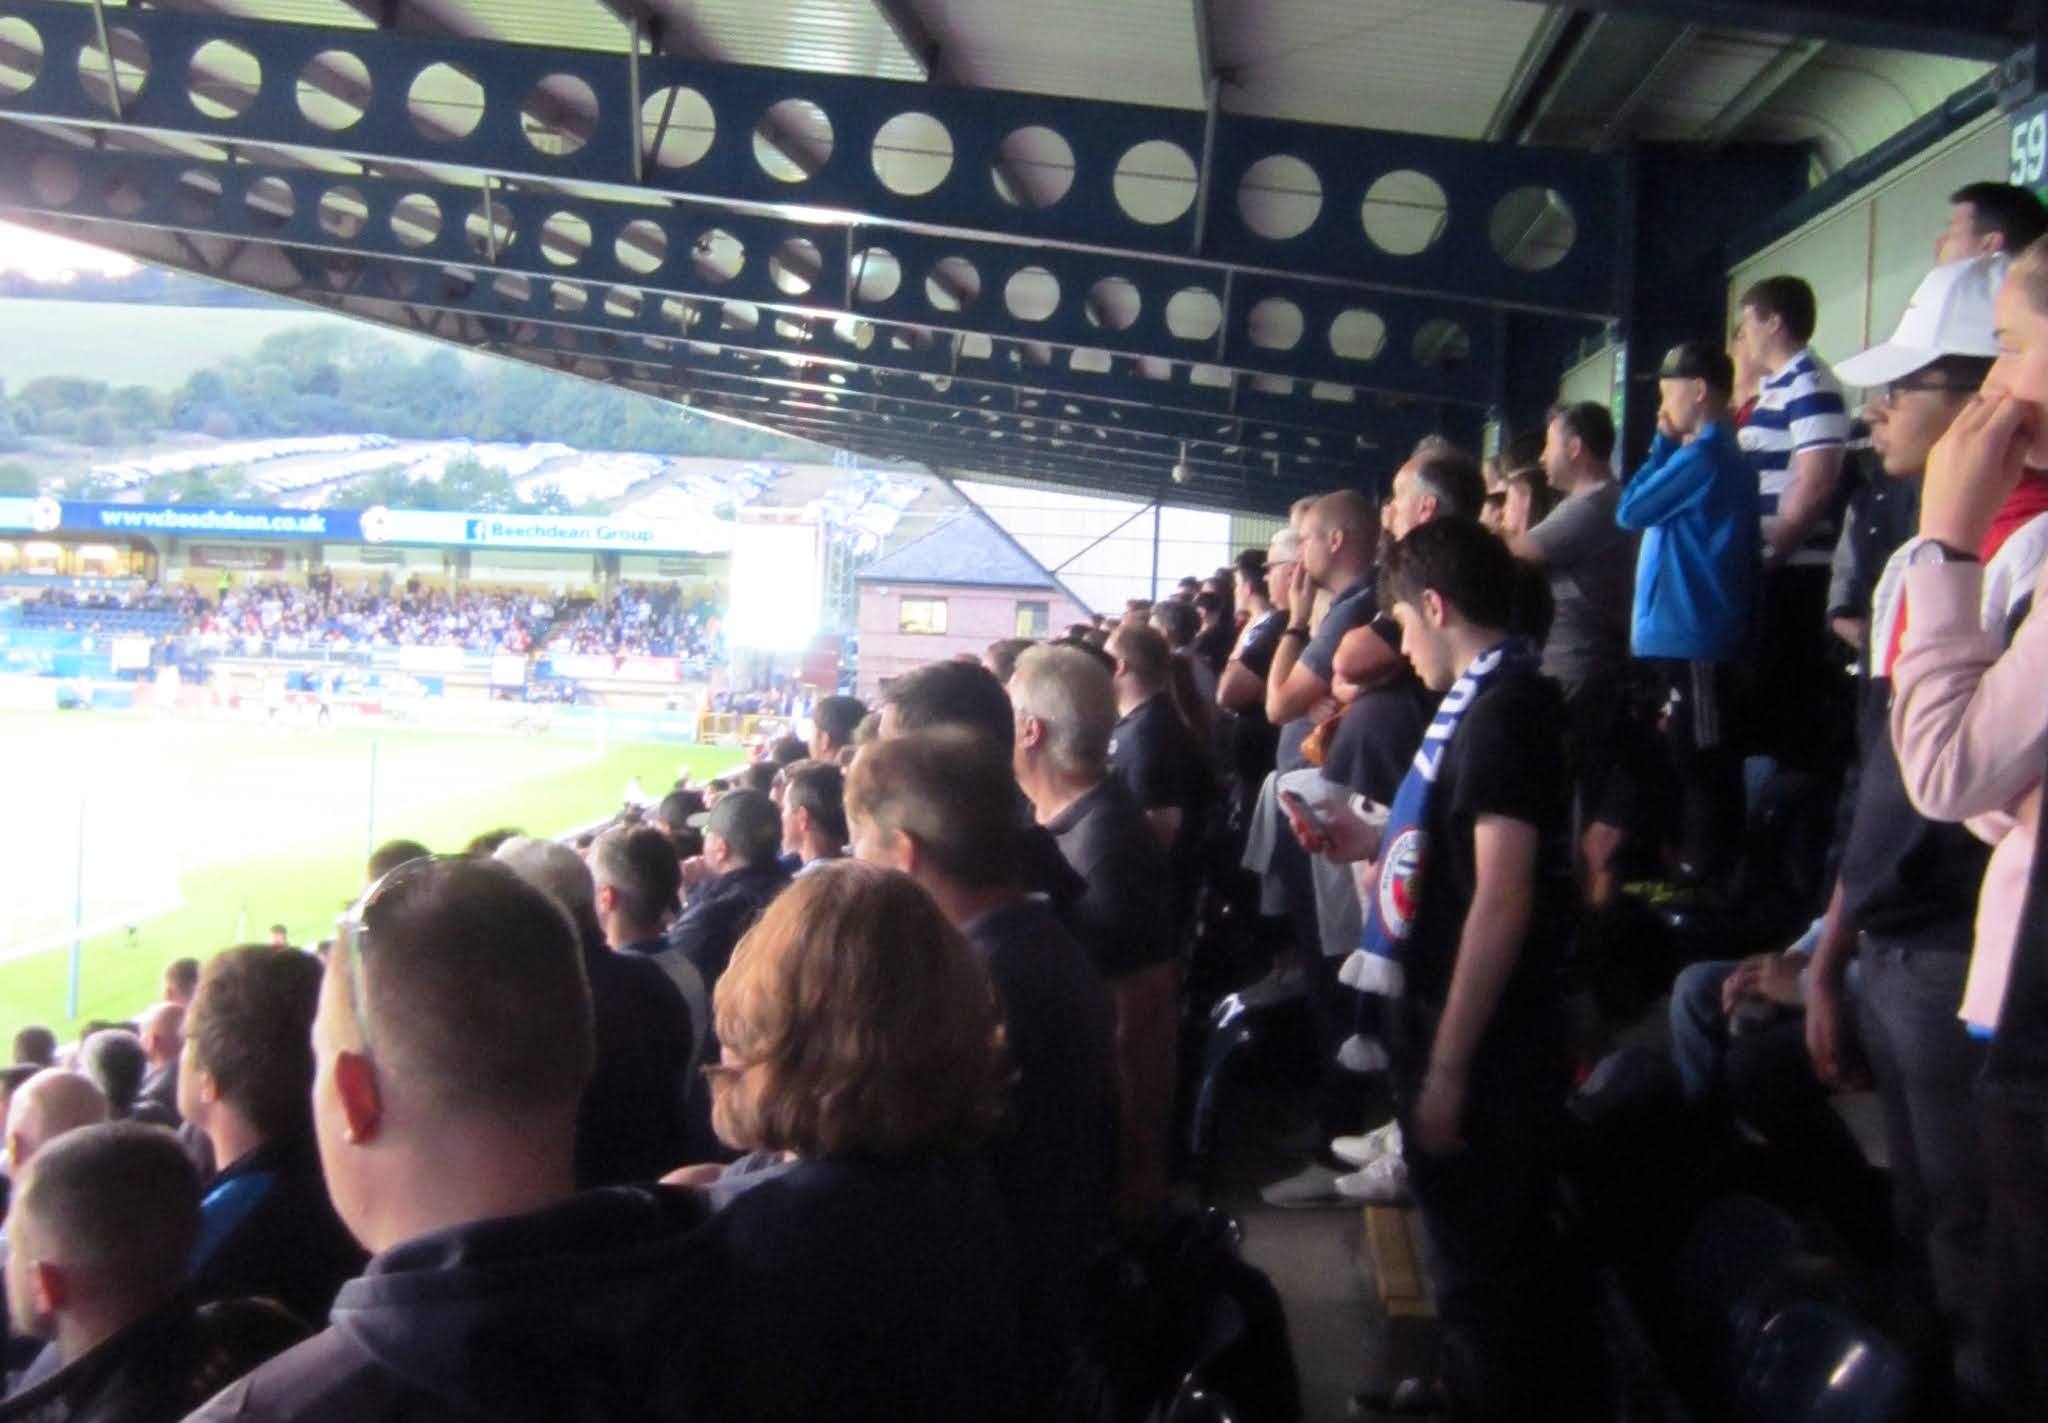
<point>35,1046</point>
<point>814,813</point>
<point>268,1229</point>
<point>1591,563</point>
<point>96,1254</point>
<point>932,804</point>
<point>1695,502</point>
<point>1990,219</point>
<point>1241,688</point>
<point>1796,438</point>
<point>181,981</point>
<point>632,1124</point>
<point>1470,916</point>
<point>447,1128</point>
<point>1066,712</point>
<point>49,1104</point>
<point>113,1058</point>
<point>1159,760</point>
<point>1971,730</point>
<point>873,1278</point>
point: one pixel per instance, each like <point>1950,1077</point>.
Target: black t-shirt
<point>1160,761</point>
<point>1378,736</point>
<point>1506,759</point>
<point>1124,918</point>
<point>1213,645</point>
<point>1254,741</point>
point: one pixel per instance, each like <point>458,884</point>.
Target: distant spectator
<point>483,846</point>
<point>1066,714</point>
<point>280,936</point>
<point>113,1058</point>
<point>247,1082</point>
<point>1137,610</point>
<point>813,813</point>
<point>833,723</point>
<point>1001,657</point>
<point>759,777</point>
<point>1989,218</point>
<point>1218,632</point>
<point>181,981</point>
<point>1694,500</point>
<point>1187,588</point>
<point>98,1240</point>
<point>161,1027</point>
<point>11,1079</point>
<point>35,1047</point>
<point>1262,581</point>
<point>1526,503</point>
<point>447,1119</point>
<point>787,751</point>
<point>632,1123</point>
<point>1795,436</point>
<point>871,1276</point>
<point>740,872</point>
<point>390,855</point>
<point>49,1104</point>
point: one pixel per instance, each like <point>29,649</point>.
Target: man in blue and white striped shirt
<point>1800,426</point>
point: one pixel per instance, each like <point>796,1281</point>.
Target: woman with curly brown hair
<point>869,1273</point>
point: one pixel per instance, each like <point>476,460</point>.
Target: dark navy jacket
<point>580,1313</point>
<point>268,1231</point>
<point>720,912</point>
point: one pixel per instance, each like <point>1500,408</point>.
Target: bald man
<point>96,1248</point>
<point>52,1102</point>
<point>161,1026</point>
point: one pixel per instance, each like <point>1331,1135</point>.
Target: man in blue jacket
<point>1695,502</point>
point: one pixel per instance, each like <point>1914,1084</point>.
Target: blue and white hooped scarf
<point>1374,969</point>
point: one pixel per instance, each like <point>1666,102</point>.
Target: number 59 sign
<point>2029,153</point>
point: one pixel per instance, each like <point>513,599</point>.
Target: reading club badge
<point>1401,881</point>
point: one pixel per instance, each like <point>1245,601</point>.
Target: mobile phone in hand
<point>1295,803</point>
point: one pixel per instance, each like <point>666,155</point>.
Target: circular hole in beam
<point>54,180</point>
<point>1280,197</point>
<point>270,202</point>
<point>1114,303</point>
<point>446,102</point>
<point>489,234</point>
<point>1357,334</point>
<point>198,195</point>
<point>1032,294</point>
<point>676,126</point>
<point>641,246</point>
<point>952,284</point>
<point>130,64</point>
<point>793,140</point>
<point>21,54</point>
<point>1034,167</point>
<point>124,198</point>
<point>558,115</point>
<point>1194,314</point>
<point>223,79</point>
<point>1532,229</point>
<point>1274,324</point>
<point>877,275</point>
<point>564,239</point>
<point>416,220</point>
<point>1155,182</point>
<point>794,266</point>
<point>334,90</point>
<point>913,154</point>
<point>343,213</point>
<point>717,255</point>
<point>1404,212</point>
<point>1442,344</point>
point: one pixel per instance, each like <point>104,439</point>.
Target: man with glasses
<point>454,1039</point>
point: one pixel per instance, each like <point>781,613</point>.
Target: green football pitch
<point>167,838</point>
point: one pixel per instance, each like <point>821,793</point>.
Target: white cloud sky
<point>47,258</point>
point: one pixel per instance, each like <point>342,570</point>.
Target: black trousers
<point>1699,732</point>
<point>1340,1093</point>
<point>2016,1250</point>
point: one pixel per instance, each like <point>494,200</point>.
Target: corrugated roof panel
<point>567,24</point>
<point>1436,67</point>
<point>1136,51</point>
<point>298,12</point>
<point>827,36</point>
<point>1850,99</point>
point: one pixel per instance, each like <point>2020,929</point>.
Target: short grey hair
<point>1070,691</point>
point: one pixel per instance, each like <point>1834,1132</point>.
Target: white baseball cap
<point>1950,315</point>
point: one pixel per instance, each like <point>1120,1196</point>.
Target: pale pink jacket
<point>1970,724</point>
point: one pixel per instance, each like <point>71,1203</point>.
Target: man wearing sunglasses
<point>453,1041</point>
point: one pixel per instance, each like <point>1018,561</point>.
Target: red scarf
<point>2028,500</point>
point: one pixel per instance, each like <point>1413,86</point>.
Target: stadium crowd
<point>273,617</point>
<point>819,1093</point>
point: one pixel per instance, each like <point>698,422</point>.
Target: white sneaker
<point>1383,1183</point>
<point>1312,1186</point>
<point>1364,1150</point>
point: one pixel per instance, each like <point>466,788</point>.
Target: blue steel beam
<point>1968,29</point>
<point>1477,179</point>
<point>663,323</point>
<point>802,270</point>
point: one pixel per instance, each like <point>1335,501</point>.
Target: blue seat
<point>1816,1363</point>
